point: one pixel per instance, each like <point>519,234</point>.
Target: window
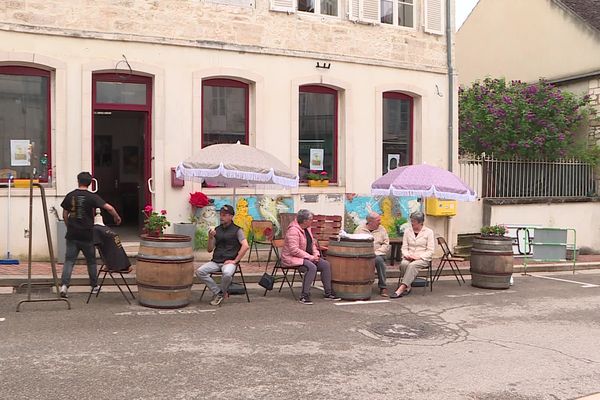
<point>323,7</point>
<point>224,111</point>
<point>318,112</point>
<point>397,130</point>
<point>398,12</point>
<point>24,118</point>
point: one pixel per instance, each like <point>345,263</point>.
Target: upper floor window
<point>323,7</point>
<point>318,111</point>
<point>225,108</point>
<point>397,130</point>
<point>24,120</point>
<point>398,12</point>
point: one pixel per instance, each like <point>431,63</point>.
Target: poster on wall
<point>394,211</point>
<point>316,159</point>
<point>19,153</point>
<point>393,161</point>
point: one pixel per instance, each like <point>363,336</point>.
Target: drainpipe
<point>450,84</point>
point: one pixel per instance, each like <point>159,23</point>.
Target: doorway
<point>121,148</point>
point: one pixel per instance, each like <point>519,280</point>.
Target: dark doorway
<point>119,161</point>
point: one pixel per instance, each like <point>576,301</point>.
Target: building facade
<point>127,89</point>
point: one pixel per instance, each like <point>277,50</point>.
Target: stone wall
<point>594,93</point>
<point>251,28</point>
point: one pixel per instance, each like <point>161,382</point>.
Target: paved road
<point>538,340</point>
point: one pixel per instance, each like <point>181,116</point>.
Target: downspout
<point>450,84</point>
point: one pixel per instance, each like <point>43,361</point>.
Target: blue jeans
<point>380,267</point>
<point>87,248</point>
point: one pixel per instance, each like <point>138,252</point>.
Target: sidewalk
<point>14,275</point>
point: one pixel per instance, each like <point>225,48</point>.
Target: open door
<point>121,148</point>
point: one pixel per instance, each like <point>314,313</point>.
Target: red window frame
<point>402,96</point>
<point>222,82</point>
<point>327,90</point>
<point>32,71</point>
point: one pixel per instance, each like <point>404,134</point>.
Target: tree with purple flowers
<point>517,119</point>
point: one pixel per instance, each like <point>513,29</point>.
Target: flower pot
<point>165,271</point>
<point>185,228</point>
<point>491,262</point>
<point>315,183</point>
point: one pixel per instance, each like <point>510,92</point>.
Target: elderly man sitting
<point>417,250</point>
<point>381,245</point>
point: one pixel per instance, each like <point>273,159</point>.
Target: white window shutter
<point>369,11</point>
<point>353,7</point>
<point>434,16</point>
<point>288,6</point>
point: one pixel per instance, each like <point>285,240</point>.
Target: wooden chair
<point>449,259</point>
<point>323,227</point>
<point>238,269</point>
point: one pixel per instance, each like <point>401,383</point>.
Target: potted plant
<point>197,200</point>
<point>318,178</point>
<point>492,258</point>
<point>154,223</point>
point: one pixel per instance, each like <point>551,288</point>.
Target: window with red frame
<point>397,130</point>
<point>24,118</point>
<point>318,114</point>
<point>225,108</point>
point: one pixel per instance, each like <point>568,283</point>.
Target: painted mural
<point>247,209</point>
<point>394,211</point>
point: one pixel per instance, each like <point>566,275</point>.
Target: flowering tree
<point>519,119</point>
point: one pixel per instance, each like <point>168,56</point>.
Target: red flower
<point>324,173</point>
<point>148,209</point>
<point>163,212</point>
<point>199,200</point>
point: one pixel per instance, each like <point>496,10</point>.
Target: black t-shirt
<point>111,250</point>
<point>309,242</point>
<point>81,205</point>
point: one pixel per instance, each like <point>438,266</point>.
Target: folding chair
<point>262,235</point>
<point>238,268</point>
<point>428,277</point>
<point>106,270</point>
<point>285,269</point>
<point>449,259</point>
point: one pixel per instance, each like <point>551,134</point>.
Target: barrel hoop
<point>353,283</point>
<point>158,287</point>
<point>164,259</point>
<point>165,244</point>
<point>346,255</point>
<point>491,252</point>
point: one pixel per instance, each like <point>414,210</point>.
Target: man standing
<point>79,207</point>
<point>381,245</point>
<point>229,245</point>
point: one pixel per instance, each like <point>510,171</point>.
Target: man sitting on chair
<point>381,245</point>
<point>229,245</point>
<point>417,250</point>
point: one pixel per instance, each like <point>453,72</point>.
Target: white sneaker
<point>95,289</point>
<point>63,291</point>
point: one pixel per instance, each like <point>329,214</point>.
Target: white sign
<point>393,161</point>
<point>316,159</point>
<point>20,156</point>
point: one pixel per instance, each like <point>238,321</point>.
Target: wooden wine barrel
<point>491,262</point>
<point>165,271</point>
<point>352,268</point>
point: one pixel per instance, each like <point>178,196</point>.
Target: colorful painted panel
<point>394,211</point>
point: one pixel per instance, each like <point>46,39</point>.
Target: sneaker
<point>63,291</point>
<point>217,299</point>
<point>305,300</point>
<point>331,297</point>
<point>95,289</point>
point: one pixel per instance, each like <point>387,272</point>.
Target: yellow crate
<point>440,208</point>
<point>23,183</point>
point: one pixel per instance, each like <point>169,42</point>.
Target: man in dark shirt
<point>79,207</point>
<point>230,245</point>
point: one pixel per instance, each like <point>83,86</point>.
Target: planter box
<point>313,183</point>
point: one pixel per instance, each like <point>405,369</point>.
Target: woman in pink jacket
<point>300,249</point>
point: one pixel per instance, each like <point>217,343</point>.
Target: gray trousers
<point>380,267</point>
<point>410,269</point>
<point>227,270</point>
<point>309,269</point>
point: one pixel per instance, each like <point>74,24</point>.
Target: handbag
<point>267,281</point>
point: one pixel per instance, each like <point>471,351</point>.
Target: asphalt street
<point>540,339</point>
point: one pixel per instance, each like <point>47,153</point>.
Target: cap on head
<point>227,209</point>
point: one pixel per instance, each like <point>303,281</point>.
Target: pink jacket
<point>294,247</point>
